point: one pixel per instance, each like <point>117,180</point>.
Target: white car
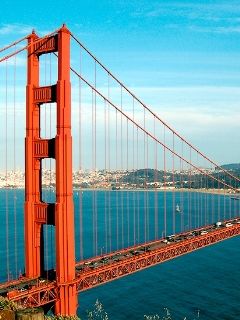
<point>229,224</point>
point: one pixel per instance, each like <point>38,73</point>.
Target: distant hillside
<point>231,166</point>
<point>143,177</point>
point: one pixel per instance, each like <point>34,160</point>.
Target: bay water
<point>204,284</point>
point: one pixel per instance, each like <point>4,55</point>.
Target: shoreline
<point>207,191</point>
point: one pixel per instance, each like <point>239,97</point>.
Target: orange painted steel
<point>33,230</point>
<point>38,295</point>
<point>44,293</point>
<point>72,278</point>
<point>92,278</point>
<point>64,215</point>
<point>37,212</point>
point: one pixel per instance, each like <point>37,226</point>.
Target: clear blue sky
<point>181,57</point>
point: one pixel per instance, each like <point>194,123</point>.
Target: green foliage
<point>30,310</point>
<point>97,313</point>
<point>6,304</point>
<point>166,316</point>
<point>62,317</point>
<point>151,317</point>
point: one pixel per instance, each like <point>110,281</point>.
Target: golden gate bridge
<point>153,195</point>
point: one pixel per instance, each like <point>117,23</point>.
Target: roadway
<point>99,270</point>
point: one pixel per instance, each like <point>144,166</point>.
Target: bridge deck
<point>99,270</point>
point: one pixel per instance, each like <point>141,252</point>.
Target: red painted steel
<point>39,295</point>
<point>72,278</point>
<point>45,94</point>
<point>32,167</point>
<point>64,215</point>
<point>37,212</point>
<point>92,278</point>
<point>42,293</point>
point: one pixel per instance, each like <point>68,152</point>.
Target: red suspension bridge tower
<point>199,212</point>
<point>38,212</point>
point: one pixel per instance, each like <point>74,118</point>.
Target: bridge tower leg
<point>64,217</point>
<point>32,168</point>
<point>37,212</point>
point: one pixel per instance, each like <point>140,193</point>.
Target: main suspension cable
<point>149,134</point>
<point>13,44</point>
<point>150,111</point>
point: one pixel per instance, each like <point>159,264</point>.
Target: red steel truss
<point>45,293</point>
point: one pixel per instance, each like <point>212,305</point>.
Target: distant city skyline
<point>181,58</point>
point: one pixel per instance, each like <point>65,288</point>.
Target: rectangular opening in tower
<point>48,69</point>
<point>49,251</point>
<point>48,120</point>
<point>48,180</point>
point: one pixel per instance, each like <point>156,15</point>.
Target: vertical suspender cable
<point>195,211</point>
<point>173,185</point>
<point>128,215</point>
<point>145,179</point>
<point>230,202</point>
<point>195,201</point>
<point>109,170</point>
<point>218,198</point>
<point>80,199</point>
<point>147,193</point>
<point>105,165</point>
<point>190,190</point>
<point>138,194</point>
<point>93,187</point>
<point>224,199</point>
<point>238,202</point>
<point>155,186</point>
<point>235,202</point>
<point>213,202</point>
<point>133,168</point>
<point>116,181</point>
<point>164,182</point>
<point>186,227</point>
<point>206,199</point>
<point>95,157</point>
<point>121,160</point>
<point>209,204</point>
<point>182,195</point>
<point>6,171</point>
<point>200,196</point>
<point>14,168</point>
<point>121,132</point>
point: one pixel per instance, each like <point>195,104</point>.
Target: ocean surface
<point>201,285</point>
